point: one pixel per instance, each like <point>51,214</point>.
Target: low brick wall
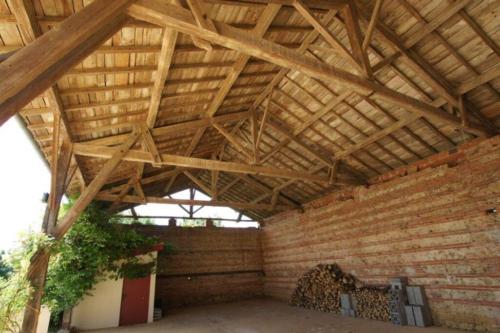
<point>208,265</point>
<point>428,221</point>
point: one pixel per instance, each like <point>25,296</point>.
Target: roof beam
<point>354,33</point>
<point>166,55</point>
<point>90,191</point>
<point>479,31</point>
<point>26,74</point>
<point>322,29</point>
<point>371,25</point>
<point>198,182</point>
<point>234,141</point>
<point>213,203</point>
<point>413,60</point>
<point>176,128</point>
<point>198,163</point>
<point>306,43</point>
<point>265,20</point>
<point>320,5</point>
<point>24,12</point>
<point>160,13</point>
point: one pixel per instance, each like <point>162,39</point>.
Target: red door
<point>135,301</point>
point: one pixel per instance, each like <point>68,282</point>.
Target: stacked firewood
<point>320,289</point>
<point>372,303</point>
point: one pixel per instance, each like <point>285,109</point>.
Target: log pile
<point>320,289</point>
<point>372,303</point>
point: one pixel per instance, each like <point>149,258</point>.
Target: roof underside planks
<point>426,59</point>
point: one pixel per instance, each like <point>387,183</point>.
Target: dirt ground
<point>264,316</point>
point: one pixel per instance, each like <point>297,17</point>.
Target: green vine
<point>96,248</point>
<point>14,286</point>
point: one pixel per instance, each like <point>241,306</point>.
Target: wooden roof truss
<point>262,105</point>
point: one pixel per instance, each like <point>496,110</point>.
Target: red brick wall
<point>208,265</point>
<point>427,221</point>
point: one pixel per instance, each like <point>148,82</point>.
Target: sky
<point>24,177</point>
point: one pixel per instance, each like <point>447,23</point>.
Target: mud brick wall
<point>428,221</point>
<point>208,265</point>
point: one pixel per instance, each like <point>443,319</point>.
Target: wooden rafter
<point>295,136</point>
<point>322,29</point>
<point>63,48</point>
<point>176,128</point>
<point>163,14</point>
<point>354,32</point>
<point>371,25</point>
<point>24,12</point>
<point>198,182</point>
<point>165,59</point>
<point>94,187</point>
<point>260,29</point>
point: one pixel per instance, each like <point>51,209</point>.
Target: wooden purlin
<point>213,203</point>
<point>235,39</point>
<point>105,109</point>
<point>77,37</point>
<point>197,163</point>
<point>260,29</point>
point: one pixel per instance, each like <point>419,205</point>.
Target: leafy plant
<point>15,288</point>
<point>5,269</point>
<point>97,247</point>
<point>94,249</point>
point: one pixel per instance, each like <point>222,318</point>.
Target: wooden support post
<point>134,213</point>
<point>275,197</point>
<point>334,171</point>
<point>463,111</point>
<point>191,197</point>
<point>214,179</point>
<point>150,144</point>
<point>36,277</point>
<point>40,261</point>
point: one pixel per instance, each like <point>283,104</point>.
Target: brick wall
<point>428,221</point>
<point>208,265</point>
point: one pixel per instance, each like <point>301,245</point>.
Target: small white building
<point>121,302</point>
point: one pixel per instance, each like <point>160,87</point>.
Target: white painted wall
<point>102,308</point>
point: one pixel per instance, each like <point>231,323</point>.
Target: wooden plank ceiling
<point>204,97</point>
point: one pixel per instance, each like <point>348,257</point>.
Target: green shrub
<point>96,248</point>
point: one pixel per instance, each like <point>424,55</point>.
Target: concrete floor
<point>264,316</point>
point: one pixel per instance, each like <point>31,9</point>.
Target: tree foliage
<point>97,247</point>
<point>15,288</point>
<point>5,269</point>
